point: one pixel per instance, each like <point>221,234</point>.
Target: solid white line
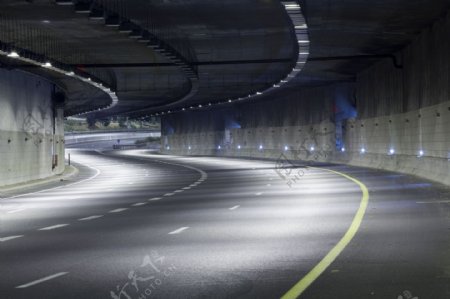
<point>169,194</point>
<point>10,238</point>
<point>180,230</point>
<point>15,211</point>
<point>90,218</point>
<point>154,198</point>
<point>118,210</point>
<point>234,208</point>
<point>139,204</point>
<point>429,202</point>
<point>41,280</point>
<point>53,227</point>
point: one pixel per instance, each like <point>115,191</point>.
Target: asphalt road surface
<point>134,224</point>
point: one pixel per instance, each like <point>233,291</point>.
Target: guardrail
<point>83,138</point>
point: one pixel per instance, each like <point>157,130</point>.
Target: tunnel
<point>225,149</point>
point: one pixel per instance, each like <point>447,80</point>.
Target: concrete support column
<point>31,128</point>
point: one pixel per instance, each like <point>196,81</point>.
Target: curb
<point>69,172</point>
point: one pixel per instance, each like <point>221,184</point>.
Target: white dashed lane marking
<point>429,202</point>
<point>179,231</point>
<point>154,198</point>
<point>169,194</point>
<point>10,238</point>
<point>118,210</point>
<point>90,218</point>
<point>15,211</point>
<point>139,204</point>
<point>41,280</point>
<point>258,194</point>
<point>234,208</point>
<point>54,226</point>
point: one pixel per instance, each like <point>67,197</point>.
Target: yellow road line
<point>306,281</point>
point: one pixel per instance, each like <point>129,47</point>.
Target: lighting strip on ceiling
<point>300,29</point>
<point>48,65</point>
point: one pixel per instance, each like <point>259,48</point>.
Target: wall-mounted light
<point>363,150</point>
<point>219,147</point>
<point>260,147</point>
<point>189,147</point>
<point>239,147</point>
<point>13,54</point>
<point>343,149</point>
<point>312,148</point>
<point>286,148</point>
<point>421,153</point>
<point>391,151</point>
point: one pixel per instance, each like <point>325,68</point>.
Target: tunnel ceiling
<point>237,47</point>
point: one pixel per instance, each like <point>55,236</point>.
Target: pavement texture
<point>133,224</point>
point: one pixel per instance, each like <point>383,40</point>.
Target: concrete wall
<point>31,129</point>
<point>406,110</point>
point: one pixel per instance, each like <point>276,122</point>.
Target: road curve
<point>140,225</point>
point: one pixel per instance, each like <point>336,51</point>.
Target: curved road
<point>134,224</point>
